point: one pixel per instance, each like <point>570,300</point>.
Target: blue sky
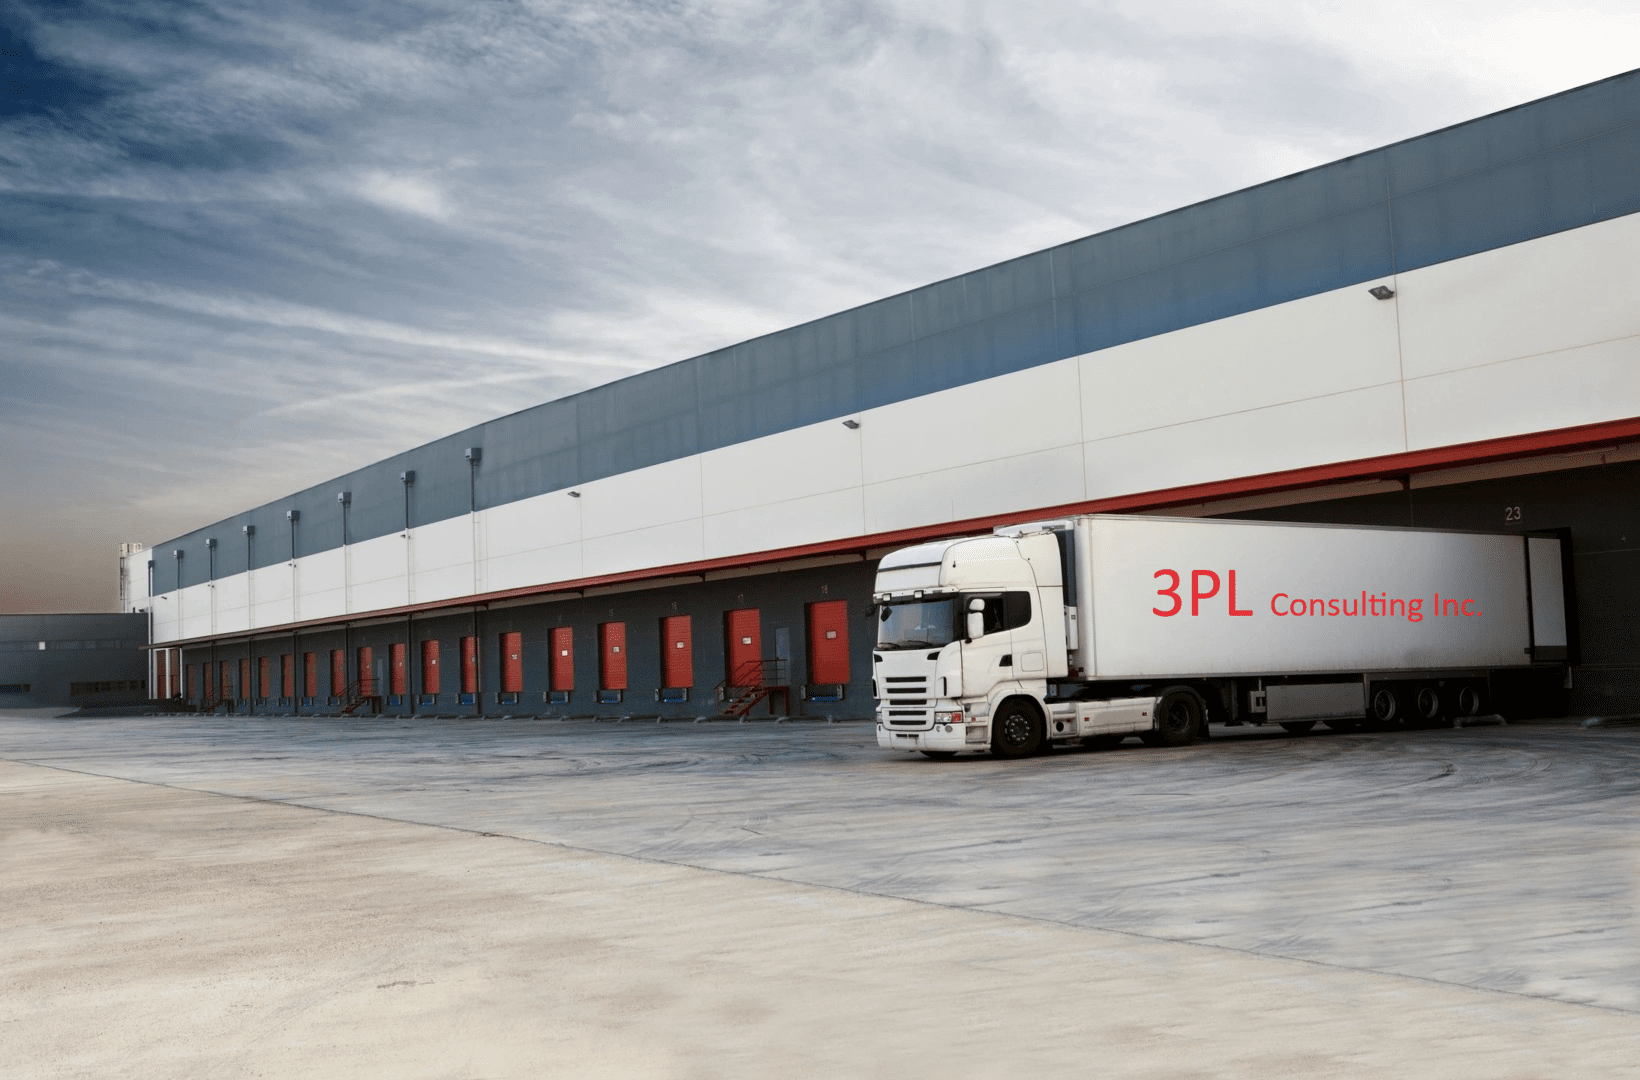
<point>245,247</point>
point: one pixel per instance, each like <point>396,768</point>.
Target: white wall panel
<point>1024,482</point>
<point>380,558</point>
<point>233,603</point>
<point>541,521</point>
<point>661,545</point>
<point>1557,292</point>
<point>827,516</point>
<point>1336,341</point>
<point>525,568</point>
<point>778,468</point>
<point>1533,393</point>
<point>444,583</point>
<point>1018,413</point>
<point>1340,427</point>
<point>642,498</point>
<point>443,543</point>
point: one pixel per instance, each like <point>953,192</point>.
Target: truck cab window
<point>1003,611</point>
<point>917,624</point>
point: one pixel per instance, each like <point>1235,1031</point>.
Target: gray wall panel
<point>1547,166</point>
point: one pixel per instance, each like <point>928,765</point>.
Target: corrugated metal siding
<point>563,658</point>
<point>677,652</point>
<point>429,666</point>
<point>743,646</point>
<point>612,656</point>
<point>512,662</point>
<point>828,642</point>
<point>1551,165</point>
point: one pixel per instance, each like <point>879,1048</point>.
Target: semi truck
<point>1095,628</point>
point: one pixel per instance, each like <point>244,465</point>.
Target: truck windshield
<point>917,624</point>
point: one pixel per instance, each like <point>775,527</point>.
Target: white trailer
<point>1099,627</point>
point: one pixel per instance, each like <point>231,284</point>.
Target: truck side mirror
<point>976,618</point>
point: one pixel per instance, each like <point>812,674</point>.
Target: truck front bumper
<point>939,737</point>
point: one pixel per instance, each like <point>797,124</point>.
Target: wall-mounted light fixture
<point>293,515</point>
<point>345,498</point>
<point>575,494</point>
<point>407,477</point>
<point>474,455</point>
<point>211,543</point>
<point>851,424</point>
<point>249,530</point>
<point>1382,292</point>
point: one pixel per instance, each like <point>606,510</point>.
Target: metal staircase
<point>753,682</point>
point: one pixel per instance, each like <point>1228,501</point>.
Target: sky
<point>247,247</point>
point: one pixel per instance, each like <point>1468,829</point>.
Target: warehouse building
<point>72,660</point>
<point>1443,332</point>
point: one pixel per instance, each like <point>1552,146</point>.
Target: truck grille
<point>907,701</point>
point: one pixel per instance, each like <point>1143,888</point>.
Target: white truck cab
<point>963,626</point>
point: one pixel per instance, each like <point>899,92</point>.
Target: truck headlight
<point>948,717</point>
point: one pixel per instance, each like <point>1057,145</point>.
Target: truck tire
<point>1471,700</point>
<point>1386,706</point>
<point>1016,731</point>
<point>1427,704</point>
<point>1298,727</point>
<point>1179,717</point>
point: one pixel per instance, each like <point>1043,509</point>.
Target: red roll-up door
<point>264,676</point>
<point>677,652</point>
<point>338,673</point>
<point>287,676</point>
<point>310,674</point>
<point>176,673</point>
<point>563,658</point>
<point>469,665</point>
<point>429,666</point>
<point>512,662</point>
<point>227,680</point>
<point>161,675</point>
<point>612,656</point>
<point>398,678</point>
<point>244,678</point>
<point>828,641</point>
<point>743,631</point>
<point>367,671</point>
<point>193,683</point>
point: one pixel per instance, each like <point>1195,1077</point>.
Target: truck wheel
<point>1298,727</point>
<point>1016,731</point>
<point>1428,705</point>
<point>1178,720</point>
<point>1386,706</point>
<point>1471,700</point>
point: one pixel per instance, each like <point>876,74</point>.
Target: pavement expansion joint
<point>1261,954</point>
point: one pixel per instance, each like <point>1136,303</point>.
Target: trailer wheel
<point>1298,727</point>
<point>1428,704</point>
<point>1471,700</point>
<point>1016,731</point>
<point>1386,705</point>
<point>1178,719</point>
